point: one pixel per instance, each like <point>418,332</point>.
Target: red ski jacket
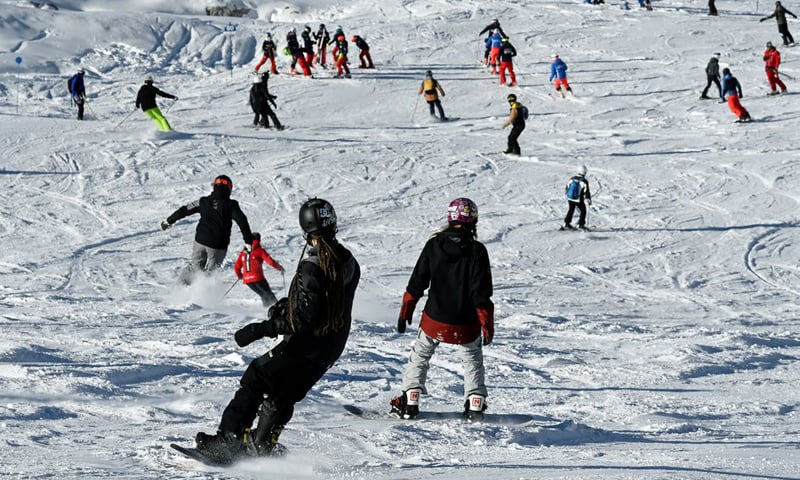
<point>248,265</point>
<point>772,59</point>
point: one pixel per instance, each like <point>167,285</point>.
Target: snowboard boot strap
<point>272,417</point>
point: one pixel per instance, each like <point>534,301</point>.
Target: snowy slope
<point>662,344</point>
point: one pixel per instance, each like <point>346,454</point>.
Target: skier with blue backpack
<point>578,195</point>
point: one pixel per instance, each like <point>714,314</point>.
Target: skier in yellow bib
<point>146,98</point>
<point>431,88</point>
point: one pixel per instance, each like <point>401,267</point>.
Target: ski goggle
<point>224,182</point>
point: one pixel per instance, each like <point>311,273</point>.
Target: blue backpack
<point>574,190</point>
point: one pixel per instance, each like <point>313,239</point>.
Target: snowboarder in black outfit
<point>315,321</point>
<point>217,214</point>
<point>712,9</point>
<point>494,25</point>
<point>712,76</point>
<point>517,119</point>
<point>783,24</point>
<point>260,100</point>
<point>578,195</point>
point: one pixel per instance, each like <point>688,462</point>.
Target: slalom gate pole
<point>414,113</point>
<point>123,120</point>
<point>229,290</point>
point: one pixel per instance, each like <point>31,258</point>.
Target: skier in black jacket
<point>146,98</point>
<point>712,76</point>
<point>260,100</point>
<point>489,28</point>
<point>315,321</point>
<point>217,214</point>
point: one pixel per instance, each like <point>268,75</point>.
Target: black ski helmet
<point>511,98</point>
<point>223,181</point>
<point>318,217</point>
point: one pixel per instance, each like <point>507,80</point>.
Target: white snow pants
<point>471,355</point>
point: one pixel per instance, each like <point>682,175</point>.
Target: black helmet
<point>317,216</point>
<point>223,181</point>
<point>321,25</point>
<point>265,76</point>
<point>511,97</point>
<point>257,236</point>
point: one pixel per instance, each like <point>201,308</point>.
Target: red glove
<point>486,317</point>
<point>406,312</point>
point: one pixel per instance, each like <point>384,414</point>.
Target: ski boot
<point>406,406</point>
<point>474,407</point>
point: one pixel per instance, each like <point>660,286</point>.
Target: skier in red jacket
<point>248,268</point>
<point>772,60</point>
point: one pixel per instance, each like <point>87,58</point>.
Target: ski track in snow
<point>663,343</point>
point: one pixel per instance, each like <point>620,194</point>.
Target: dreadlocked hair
<point>333,270</point>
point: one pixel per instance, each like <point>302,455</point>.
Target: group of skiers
<point>729,87</point>
<point>313,51</point>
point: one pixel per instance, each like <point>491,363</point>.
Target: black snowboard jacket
<point>217,214</point>
<point>146,98</point>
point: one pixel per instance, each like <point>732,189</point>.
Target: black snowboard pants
<point>582,219</point>
<point>513,144</point>
<point>712,79</point>
<point>438,104</point>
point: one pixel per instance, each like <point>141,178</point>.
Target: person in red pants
<point>268,48</point>
<point>507,54</point>
<point>363,56</point>
<point>340,47</point>
<point>732,91</point>
<point>772,60</point>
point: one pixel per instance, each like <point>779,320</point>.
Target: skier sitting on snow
<point>315,323</point>
<point>146,98</point>
<point>248,268</point>
<point>260,100</point>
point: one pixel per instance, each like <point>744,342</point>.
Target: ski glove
<point>406,312</point>
<point>250,333</point>
<point>165,224</point>
<point>486,317</point>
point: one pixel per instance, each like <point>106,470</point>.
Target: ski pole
<point>782,74</point>
<point>171,105</point>
<point>415,109</point>
<point>229,290</point>
<point>86,101</point>
<point>123,120</point>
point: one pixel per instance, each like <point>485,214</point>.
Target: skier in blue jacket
<point>494,43</point>
<point>558,71</point>
<point>77,91</point>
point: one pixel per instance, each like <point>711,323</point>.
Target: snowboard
<point>195,454</point>
<point>489,418</point>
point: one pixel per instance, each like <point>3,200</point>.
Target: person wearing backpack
<point>507,54</point>
<point>578,195</point>
<point>248,269</point>
<point>516,117</point>
<point>77,91</point>
<point>558,71</point>
<point>431,88</point>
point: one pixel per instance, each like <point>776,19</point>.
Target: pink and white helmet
<point>463,211</point>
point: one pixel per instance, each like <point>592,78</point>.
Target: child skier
<point>454,267</point>
<point>431,88</point>
<point>323,38</point>
<point>248,268</point>
<point>340,49</point>
<point>364,56</point>
<point>494,42</point>
<point>297,53</point>
<point>146,98</point>
<point>507,54</point>
<point>315,323</point>
<point>77,91</point>
<point>308,46</point>
<point>558,71</point>
<point>268,48</point>
<point>578,195</point>
<point>732,92</point>
<point>772,60</point>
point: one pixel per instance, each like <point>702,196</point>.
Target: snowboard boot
<point>406,406</point>
<point>223,447</point>
<point>272,418</point>
<point>474,407</point>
